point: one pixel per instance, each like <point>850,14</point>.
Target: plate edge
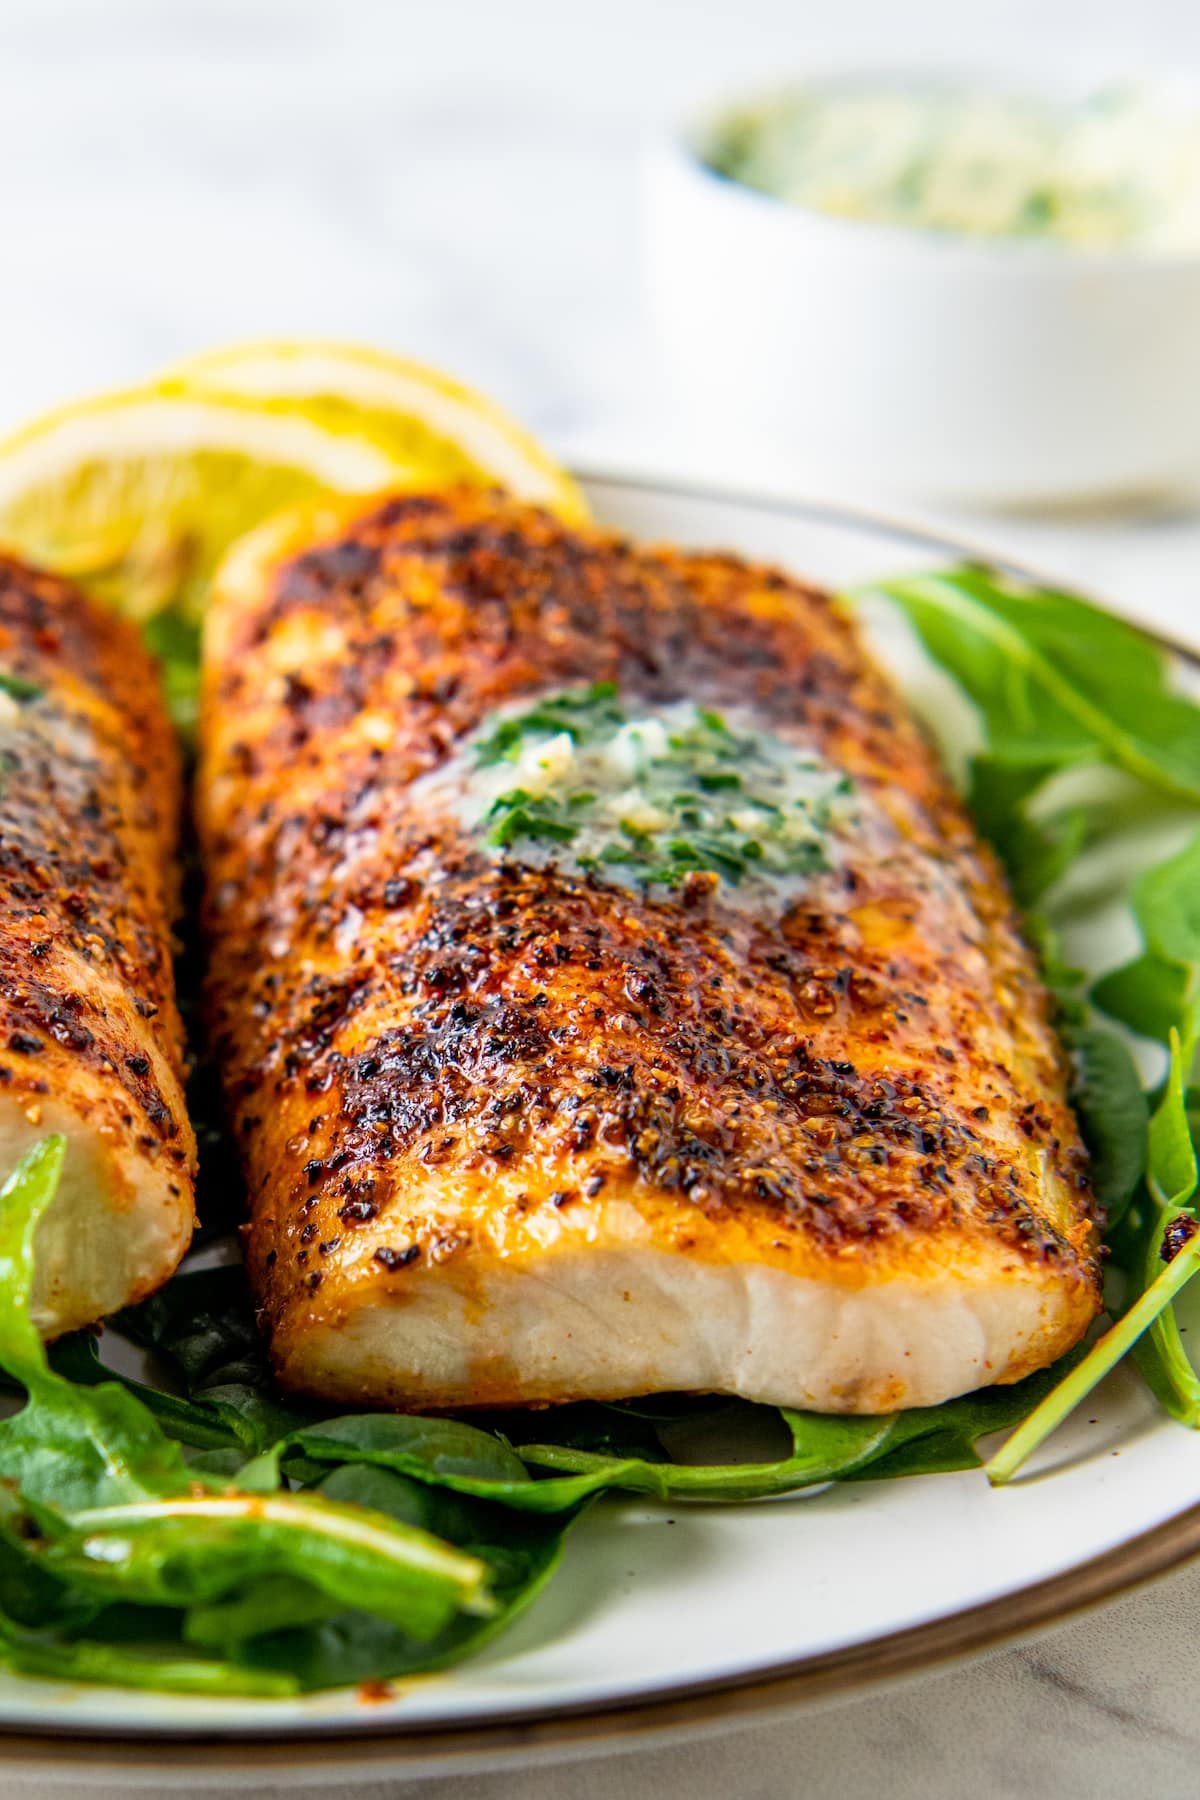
<point>875,1662</point>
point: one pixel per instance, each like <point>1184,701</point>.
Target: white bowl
<point>989,371</point>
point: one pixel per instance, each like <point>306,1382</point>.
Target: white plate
<point>747,1605</point>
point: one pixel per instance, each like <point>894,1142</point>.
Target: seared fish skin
<point>514,1134</point>
<point>90,1040</point>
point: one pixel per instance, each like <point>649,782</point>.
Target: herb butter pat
<point>675,798</point>
<point>1119,169</point>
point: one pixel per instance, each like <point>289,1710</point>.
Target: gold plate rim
<point>358,1747</point>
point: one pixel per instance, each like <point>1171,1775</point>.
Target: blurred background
<point>459,181</point>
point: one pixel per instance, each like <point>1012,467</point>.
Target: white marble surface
<point>458,179</point>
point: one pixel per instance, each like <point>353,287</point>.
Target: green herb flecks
<point>583,713</point>
<point>652,797</point>
<point>539,818</point>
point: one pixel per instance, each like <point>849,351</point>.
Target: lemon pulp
<point>137,495</point>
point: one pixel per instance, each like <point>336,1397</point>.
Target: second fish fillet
<point>90,1040</point>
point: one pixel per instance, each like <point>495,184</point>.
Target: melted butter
<point>663,799</point>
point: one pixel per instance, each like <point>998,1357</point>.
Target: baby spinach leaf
<point>32,1597</point>
<point>1036,852</point>
<point>585,1450</point>
<point>1113,1115</point>
<point>1159,991</point>
<point>162,1668</point>
<point>201,1324</point>
<point>95,1498</point>
<point>446,1452</point>
<point>202,1321</point>
<point>1166,903</point>
<point>1168,1214</point>
<point>1147,994</point>
<point>187,1549</point>
<point>1171,1171</point>
<point>77,1359</point>
<point>521,1552</point>
<point>1057,684</point>
<point>824,1447</point>
<point>476,1463</point>
<point>174,639</point>
<point>70,1447</point>
<point>1057,681</point>
<point>1147,1327</point>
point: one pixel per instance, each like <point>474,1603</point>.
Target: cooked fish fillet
<point>521,1124</point>
<point>90,1040</point>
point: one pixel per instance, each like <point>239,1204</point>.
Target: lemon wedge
<point>420,416</point>
<point>137,495</point>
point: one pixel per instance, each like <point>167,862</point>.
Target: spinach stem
<point>1105,1353</point>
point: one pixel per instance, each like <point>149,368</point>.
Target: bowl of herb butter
<point>942,286</point>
